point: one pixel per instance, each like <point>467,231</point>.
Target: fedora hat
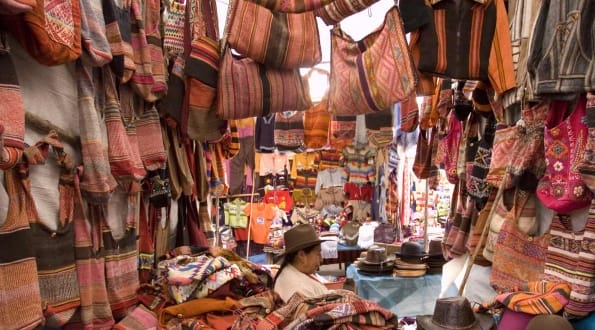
<point>454,313</point>
<point>299,238</point>
<point>412,252</point>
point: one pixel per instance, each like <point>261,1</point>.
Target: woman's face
<point>310,262</point>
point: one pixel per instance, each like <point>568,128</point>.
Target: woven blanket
<point>185,274</point>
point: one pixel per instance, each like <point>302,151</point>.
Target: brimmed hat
<point>549,321</point>
<point>454,313</point>
<point>299,238</point>
<point>412,252</point>
<point>376,261</point>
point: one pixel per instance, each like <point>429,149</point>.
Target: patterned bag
<point>293,6</point>
<point>148,130</point>
<point>355,86</point>
<point>289,130</point>
<point>51,32</point>
<point>571,259</point>
<point>519,256</point>
<point>379,127</point>
<point>528,165</point>
<point>562,189</point>
<point>173,31</point>
<point>452,142</point>
<point>477,186</point>
<point>96,47</point>
<point>278,40</point>
<point>142,80</point>
<point>12,112</point>
<point>342,131</point>
<point>586,166</point>
<point>117,27</point>
<point>54,249</point>
<point>248,89</point>
<point>337,10</point>
<point>20,300</point>
<point>409,113</point>
<point>423,165</point>
<point>504,140</point>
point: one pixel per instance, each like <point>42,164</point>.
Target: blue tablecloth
<point>404,296</point>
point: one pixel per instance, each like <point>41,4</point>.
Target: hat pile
<point>411,261</point>
<point>435,259</point>
<point>374,261</point>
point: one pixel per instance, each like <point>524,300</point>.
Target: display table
<point>345,255</point>
<point>404,296</point>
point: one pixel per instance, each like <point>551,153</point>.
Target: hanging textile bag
<point>51,32</point>
<point>477,186</point>
<point>12,112</point>
<point>356,85</point>
<point>20,299</point>
<point>316,119</point>
<point>519,255</point>
<point>248,89</point>
<point>571,259</point>
<point>277,40</point>
<point>292,6</point>
<point>528,163</point>
<point>562,189</point>
<point>452,142</point>
<point>289,131</point>
<point>173,31</point>
<point>586,166</point>
<point>423,166</point>
<point>409,113</point>
<point>117,29</point>
<point>342,131</point>
<point>335,11</point>
<point>54,249</point>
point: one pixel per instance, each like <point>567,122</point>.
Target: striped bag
<point>20,299</point>
<point>278,40</point>
<point>12,112</point>
<point>335,11</point>
<point>356,87</point>
<point>117,23</point>
<point>249,89</point>
<point>96,47</point>
<point>289,131</point>
<point>571,259</point>
<point>54,249</point>
<point>95,310</point>
<point>293,6</point>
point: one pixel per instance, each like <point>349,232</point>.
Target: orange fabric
<point>260,221</point>
<point>195,307</point>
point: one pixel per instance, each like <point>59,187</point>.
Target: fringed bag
<point>356,87</point>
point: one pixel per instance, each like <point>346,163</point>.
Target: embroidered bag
<point>248,89</point>
<point>452,142</point>
<point>12,112</point>
<point>277,40</point>
<point>289,131</point>
<point>20,300</point>
<point>586,166</point>
<point>54,249</point>
<point>51,32</point>
<point>562,189</point>
<point>356,85</point>
<point>571,259</point>
<point>519,255</point>
<point>477,186</point>
<point>292,6</point>
<point>337,10</point>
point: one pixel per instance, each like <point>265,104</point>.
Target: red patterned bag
<point>51,32</point>
<point>562,188</point>
<point>356,87</point>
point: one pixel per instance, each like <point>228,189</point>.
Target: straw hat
<point>299,238</point>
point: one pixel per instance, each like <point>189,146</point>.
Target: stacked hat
<point>454,313</point>
<point>374,261</point>
<point>435,259</point>
<point>411,261</point>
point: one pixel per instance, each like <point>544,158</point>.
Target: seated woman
<point>301,260</point>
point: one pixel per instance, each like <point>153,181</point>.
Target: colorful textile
<point>264,134</point>
<point>195,307</point>
<point>482,35</point>
<point>329,159</point>
<point>142,80</point>
<point>217,280</point>
<point>355,85</point>
<point>359,165</point>
<point>379,127</point>
<point>537,297</point>
<point>117,29</point>
<point>337,10</point>
<point>20,303</point>
<point>294,6</point>
<point>234,214</point>
<point>96,47</point>
<point>571,259</point>
<point>140,318</point>
<point>289,131</point>
<point>562,188</point>
<point>586,166</point>
<point>185,274</point>
<point>316,125</point>
<point>12,112</point>
<point>173,31</point>
<point>261,217</point>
